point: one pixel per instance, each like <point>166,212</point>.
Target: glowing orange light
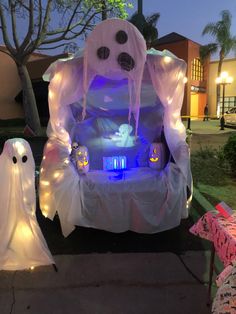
<point>152,159</point>
<point>86,163</point>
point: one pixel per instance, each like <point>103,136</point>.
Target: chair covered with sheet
<point>119,101</point>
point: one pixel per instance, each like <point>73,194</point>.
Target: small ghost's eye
<point>14,159</point>
<point>24,158</point>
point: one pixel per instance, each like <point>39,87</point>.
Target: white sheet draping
<point>61,188</point>
<point>70,81</point>
<point>22,244</point>
<point>143,200</point>
<point>123,55</point>
<point>167,73</point>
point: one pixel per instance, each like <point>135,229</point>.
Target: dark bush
<point>230,153</point>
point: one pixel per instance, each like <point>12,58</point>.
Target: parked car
<point>230,117</point>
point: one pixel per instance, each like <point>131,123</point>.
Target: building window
<point>230,102</point>
<point>197,70</point>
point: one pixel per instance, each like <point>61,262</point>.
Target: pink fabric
<point>223,275</point>
<point>225,299</point>
<point>220,231</point>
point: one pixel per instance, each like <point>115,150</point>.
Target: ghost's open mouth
<point>125,61</point>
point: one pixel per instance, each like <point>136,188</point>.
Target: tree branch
<point>68,29</point>
<point>13,22</point>
<point>40,18</point>
<point>23,5</point>
<point>46,18</point>
<point>42,32</point>
<point>49,48</point>
<point>4,32</point>
<point>30,26</point>
<point>65,30</point>
<point>62,30</point>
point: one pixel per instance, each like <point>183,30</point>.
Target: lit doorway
<point>197,104</point>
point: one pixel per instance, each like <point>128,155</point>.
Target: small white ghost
<point>22,244</point>
<point>123,137</point>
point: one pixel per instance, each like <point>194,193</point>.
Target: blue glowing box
<point>114,163</point>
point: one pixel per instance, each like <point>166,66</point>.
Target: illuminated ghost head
<point>125,129</point>
<point>157,156</point>
<point>116,50</point>
<point>19,162</point>
<point>82,159</point>
<point>18,174</point>
<point>123,137</point>
<point>19,151</point>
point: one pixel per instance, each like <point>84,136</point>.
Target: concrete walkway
<point>208,127</point>
<point>109,284</point>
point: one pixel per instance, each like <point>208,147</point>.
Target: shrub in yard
<point>205,152</point>
<point>230,153</point>
<point>209,167</point>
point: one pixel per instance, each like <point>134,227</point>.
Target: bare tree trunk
<point>29,102</point>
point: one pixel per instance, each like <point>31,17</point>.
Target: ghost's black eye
<point>14,159</point>
<point>121,37</point>
<point>24,158</point>
<point>103,53</point>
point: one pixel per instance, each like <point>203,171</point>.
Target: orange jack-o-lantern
<point>82,159</point>
<point>157,156</point>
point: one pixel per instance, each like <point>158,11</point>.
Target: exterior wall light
<point>223,80</point>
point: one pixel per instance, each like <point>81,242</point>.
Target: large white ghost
<point>22,244</point>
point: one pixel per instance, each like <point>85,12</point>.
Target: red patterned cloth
<point>221,231</point>
<point>225,299</point>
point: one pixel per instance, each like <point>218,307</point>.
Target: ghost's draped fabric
<point>167,74</point>
<point>116,50</point>
<point>22,244</point>
<point>114,77</point>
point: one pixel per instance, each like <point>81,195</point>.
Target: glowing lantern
<point>157,156</point>
<point>82,159</point>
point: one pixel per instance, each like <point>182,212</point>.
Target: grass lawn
<point>212,176</point>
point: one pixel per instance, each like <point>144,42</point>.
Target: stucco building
<point>199,90</point>
<point>229,65</point>
<point>196,88</point>
<point>11,85</point>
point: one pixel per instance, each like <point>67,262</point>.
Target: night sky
<point>188,17</point>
